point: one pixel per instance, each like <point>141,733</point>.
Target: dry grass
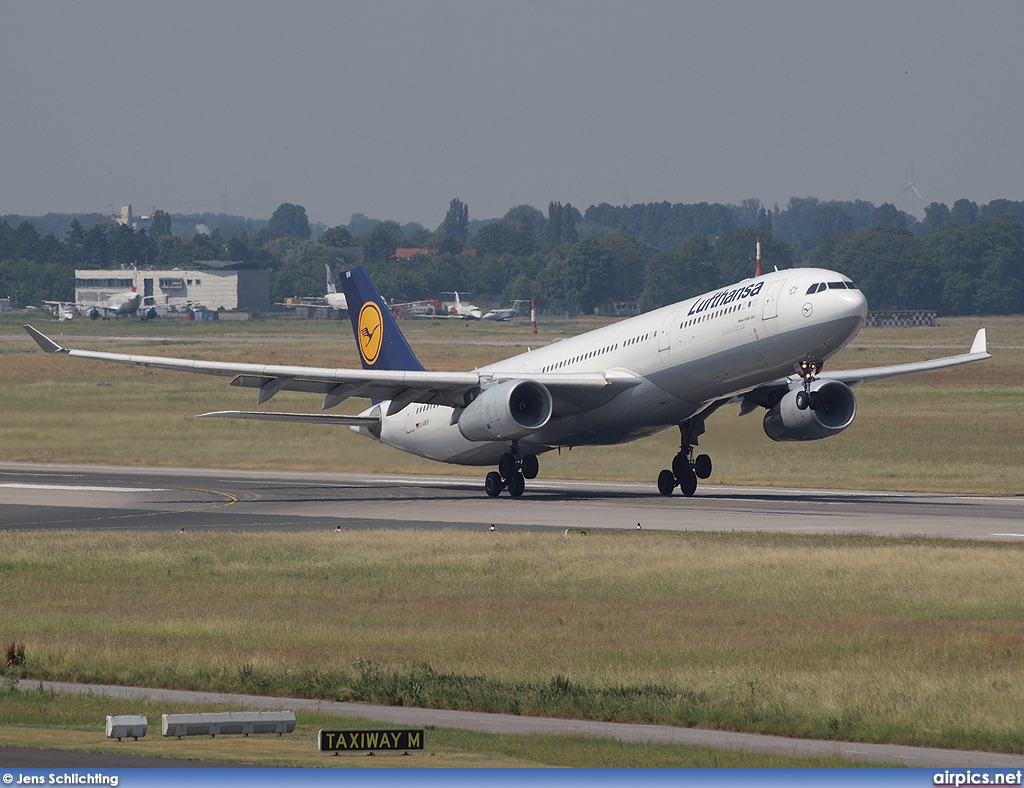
<point>915,641</point>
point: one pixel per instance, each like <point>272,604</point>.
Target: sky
<point>391,108</point>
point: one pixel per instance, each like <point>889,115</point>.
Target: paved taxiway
<point>45,496</point>
<point>507,723</point>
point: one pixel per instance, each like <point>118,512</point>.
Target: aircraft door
<point>665,335</point>
<point>771,300</point>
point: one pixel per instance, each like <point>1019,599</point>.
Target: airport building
<point>210,284</point>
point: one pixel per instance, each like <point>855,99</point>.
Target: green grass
<point>906,641</point>
<point>48,720</point>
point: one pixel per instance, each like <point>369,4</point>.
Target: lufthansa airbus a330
<point>761,342</point>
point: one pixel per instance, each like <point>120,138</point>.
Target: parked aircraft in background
<point>505,314</point>
<point>465,311</point>
<point>761,342</point>
<point>334,298</point>
<point>116,305</point>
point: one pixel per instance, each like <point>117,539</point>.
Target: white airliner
<point>465,311</point>
<point>116,304</point>
<point>504,314</point>
<point>334,298</point>
<point>758,343</point>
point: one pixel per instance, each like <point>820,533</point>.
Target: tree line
<point>967,259</point>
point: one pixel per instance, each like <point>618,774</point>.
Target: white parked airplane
<point>116,304</point>
<point>334,298</point>
<point>759,343</point>
<point>504,314</point>
<point>465,311</point>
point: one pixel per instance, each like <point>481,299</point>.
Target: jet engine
<point>92,312</point>
<point>828,411</point>
<point>506,411</point>
<point>147,313</point>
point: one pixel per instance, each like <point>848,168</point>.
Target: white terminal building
<point>208,284</point>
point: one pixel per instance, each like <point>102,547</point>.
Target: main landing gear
<point>686,468</point>
<point>512,473</point>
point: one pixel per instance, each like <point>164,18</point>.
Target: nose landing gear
<point>512,473</point>
<point>808,371</point>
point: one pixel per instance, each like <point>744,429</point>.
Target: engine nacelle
<point>834,409</point>
<point>507,411</point>
<point>93,313</point>
<point>147,313</point>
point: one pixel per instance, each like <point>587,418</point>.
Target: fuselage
<point>686,356</point>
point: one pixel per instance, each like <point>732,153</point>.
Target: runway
<point>51,496</point>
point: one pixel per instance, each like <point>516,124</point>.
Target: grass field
<point>908,641</point>
<point>46,720</point>
<point>917,642</point>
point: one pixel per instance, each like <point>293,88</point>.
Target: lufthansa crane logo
<point>371,332</point>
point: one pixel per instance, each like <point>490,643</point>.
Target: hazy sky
<point>393,108</point>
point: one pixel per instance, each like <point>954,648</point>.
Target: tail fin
<point>380,342</point>
<point>331,289</point>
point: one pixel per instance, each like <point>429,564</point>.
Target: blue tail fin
<point>380,342</point>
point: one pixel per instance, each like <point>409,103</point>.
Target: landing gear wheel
<point>531,466</point>
<point>666,482</point>
<point>507,465</point>
<point>802,400</point>
<point>688,483</point>
<point>680,465</point>
<point>493,484</point>
<point>812,400</point>
<point>702,466</point>
<point>516,485</point>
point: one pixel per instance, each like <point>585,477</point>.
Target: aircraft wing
<point>768,394</point>
<point>571,393</point>
<point>330,419</point>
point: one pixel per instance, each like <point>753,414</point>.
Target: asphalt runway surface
<point>51,496</point>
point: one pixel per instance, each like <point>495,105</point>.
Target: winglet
<point>44,341</point>
<point>980,343</point>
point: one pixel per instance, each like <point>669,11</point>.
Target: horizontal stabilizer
<point>332,419</point>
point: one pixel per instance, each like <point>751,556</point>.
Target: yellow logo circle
<point>371,332</point>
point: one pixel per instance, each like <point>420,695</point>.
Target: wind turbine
<point>912,188</point>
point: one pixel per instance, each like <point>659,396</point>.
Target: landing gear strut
<point>808,371</point>
<point>686,468</point>
<point>513,471</point>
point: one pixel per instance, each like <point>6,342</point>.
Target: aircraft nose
<point>852,303</point>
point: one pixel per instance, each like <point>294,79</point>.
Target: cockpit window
<point>837,285</point>
<point>850,285</point>
<point>812,289</point>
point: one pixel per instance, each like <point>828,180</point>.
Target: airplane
<point>116,304</point>
<point>761,342</point>
<point>334,298</point>
<point>504,314</point>
<point>465,311</point>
